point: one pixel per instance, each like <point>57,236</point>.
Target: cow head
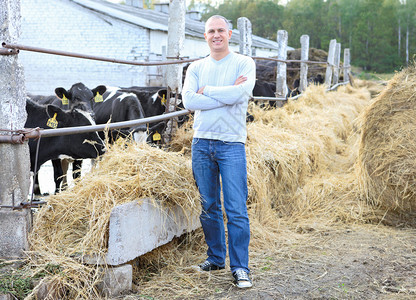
<point>79,96</point>
<point>161,98</point>
<point>81,145</point>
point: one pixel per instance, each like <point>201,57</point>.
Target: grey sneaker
<point>209,266</point>
<point>241,279</point>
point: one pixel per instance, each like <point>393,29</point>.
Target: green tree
<point>265,16</point>
<point>379,33</point>
<point>305,17</point>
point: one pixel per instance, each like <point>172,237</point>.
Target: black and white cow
<point>154,103</point>
<point>78,96</point>
<point>106,106</point>
<point>114,106</point>
<point>119,106</point>
<point>77,146</point>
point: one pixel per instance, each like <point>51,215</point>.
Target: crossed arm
<point>241,79</point>
<point>211,97</point>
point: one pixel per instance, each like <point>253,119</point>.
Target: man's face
<point>217,35</point>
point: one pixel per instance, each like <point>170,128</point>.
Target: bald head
<point>216,17</point>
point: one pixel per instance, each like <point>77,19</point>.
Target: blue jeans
<point>210,160</point>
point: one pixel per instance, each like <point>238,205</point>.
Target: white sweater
<point>220,113</point>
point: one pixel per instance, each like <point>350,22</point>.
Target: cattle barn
<point>100,28</point>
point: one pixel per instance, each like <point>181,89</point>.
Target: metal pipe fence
<point>19,136</point>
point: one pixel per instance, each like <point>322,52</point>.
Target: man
<point>218,88</point>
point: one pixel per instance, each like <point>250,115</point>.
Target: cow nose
<point>140,136</point>
<point>102,149</point>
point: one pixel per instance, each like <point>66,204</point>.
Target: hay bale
<point>387,154</point>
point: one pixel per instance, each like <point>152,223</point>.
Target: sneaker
<point>209,266</point>
<point>241,279</point>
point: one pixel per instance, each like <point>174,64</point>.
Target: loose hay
<point>75,222</point>
<point>309,137</point>
<point>387,155</point>
<point>299,161</point>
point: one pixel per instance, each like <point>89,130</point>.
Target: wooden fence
<point>333,68</point>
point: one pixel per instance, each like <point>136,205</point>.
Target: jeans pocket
<point>231,143</point>
<point>195,141</point>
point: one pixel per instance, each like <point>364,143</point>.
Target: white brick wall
<point>63,25</point>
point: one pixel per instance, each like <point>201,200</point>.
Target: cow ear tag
<point>156,136</point>
<point>163,100</point>
<point>52,122</point>
<point>64,100</point>
<point>98,97</point>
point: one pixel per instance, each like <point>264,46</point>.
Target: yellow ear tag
<point>52,122</point>
<point>156,136</point>
<point>64,100</point>
<point>98,97</point>
<point>163,100</point>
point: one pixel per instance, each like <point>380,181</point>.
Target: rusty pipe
<point>102,127</point>
<point>8,51</point>
<point>12,139</point>
<point>289,61</point>
<point>24,205</point>
<point>100,58</point>
<point>34,134</point>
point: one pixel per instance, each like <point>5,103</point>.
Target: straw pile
<point>387,154</point>
<point>374,87</point>
<point>75,222</point>
<point>308,140</point>
<point>299,160</point>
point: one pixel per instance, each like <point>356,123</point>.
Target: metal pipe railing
<point>8,51</point>
<point>337,85</point>
<point>93,57</point>
<point>269,98</point>
<point>290,61</point>
<point>16,47</point>
<point>22,135</point>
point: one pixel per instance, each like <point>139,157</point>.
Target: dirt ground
<point>341,262</point>
<point>360,262</point>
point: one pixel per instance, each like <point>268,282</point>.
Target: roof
<point>156,20</point>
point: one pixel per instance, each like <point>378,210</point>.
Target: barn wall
<point>63,25</point>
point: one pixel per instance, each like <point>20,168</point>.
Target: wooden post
<point>347,65</point>
<point>304,56</point>
<point>330,60</point>
<point>15,159</point>
<point>337,59</point>
<point>281,85</point>
<point>176,38</point>
<point>244,27</point>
